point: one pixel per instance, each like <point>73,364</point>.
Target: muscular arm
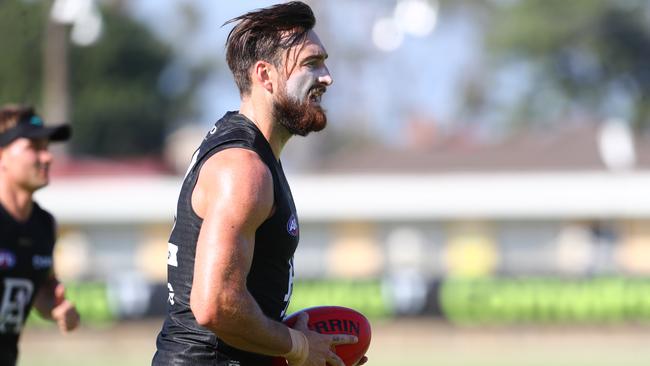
<point>233,195</point>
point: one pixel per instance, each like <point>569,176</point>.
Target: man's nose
<point>46,156</point>
<point>325,77</point>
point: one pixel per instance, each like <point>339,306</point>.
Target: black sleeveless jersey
<point>25,262</point>
<point>182,341</point>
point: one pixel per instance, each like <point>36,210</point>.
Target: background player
<point>27,232</point>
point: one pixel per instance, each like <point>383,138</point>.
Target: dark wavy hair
<point>264,34</point>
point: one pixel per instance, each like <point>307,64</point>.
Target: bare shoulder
<point>234,176</point>
<point>236,165</point>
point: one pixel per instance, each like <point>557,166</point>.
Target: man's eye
<point>312,64</point>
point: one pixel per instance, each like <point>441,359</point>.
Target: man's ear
<point>264,74</point>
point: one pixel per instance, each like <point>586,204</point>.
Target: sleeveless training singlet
<point>25,262</point>
<point>182,341</point>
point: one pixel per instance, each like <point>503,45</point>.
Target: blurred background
<point>481,191</point>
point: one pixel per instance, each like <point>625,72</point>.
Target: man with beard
<point>230,253</point>
<point>27,232</point>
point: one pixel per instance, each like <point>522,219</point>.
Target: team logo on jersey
<point>41,261</point>
<point>7,259</point>
<point>292,225</point>
<point>24,242</point>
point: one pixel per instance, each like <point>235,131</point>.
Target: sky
<point>376,89</point>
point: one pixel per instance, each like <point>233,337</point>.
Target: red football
<point>336,320</point>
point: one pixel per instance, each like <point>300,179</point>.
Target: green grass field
<point>397,342</point>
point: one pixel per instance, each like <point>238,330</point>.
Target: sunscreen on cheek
<point>298,85</point>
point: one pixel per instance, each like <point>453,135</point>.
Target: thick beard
<point>298,118</point>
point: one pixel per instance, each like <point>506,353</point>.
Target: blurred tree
<point>118,108</point>
<point>583,57</point>
<point>21,31</point>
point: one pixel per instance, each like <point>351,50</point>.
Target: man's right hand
<point>320,345</point>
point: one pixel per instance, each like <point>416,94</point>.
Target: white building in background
<point>526,207</point>
<point>535,223</point>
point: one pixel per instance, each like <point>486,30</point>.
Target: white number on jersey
<point>287,296</point>
<point>18,292</point>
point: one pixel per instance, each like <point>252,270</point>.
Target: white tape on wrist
<point>299,348</point>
